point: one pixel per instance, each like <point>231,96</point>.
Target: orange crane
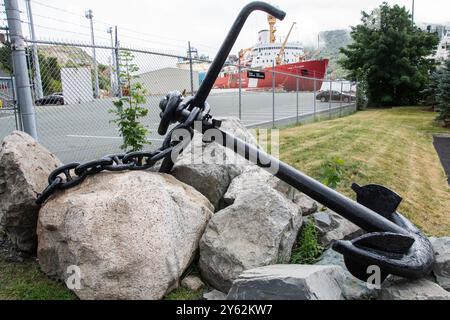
<point>280,57</point>
<point>272,21</point>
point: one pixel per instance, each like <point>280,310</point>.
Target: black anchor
<point>392,243</point>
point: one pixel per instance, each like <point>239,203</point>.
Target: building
<point>443,51</point>
<point>162,81</point>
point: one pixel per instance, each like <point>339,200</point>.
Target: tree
<point>128,109</point>
<point>443,95</point>
<point>50,74</point>
<point>5,58</point>
<point>391,55</point>
<point>49,67</point>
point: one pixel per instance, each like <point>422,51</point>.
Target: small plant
<point>128,110</point>
<point>331,172</point>
<point>307,249</point>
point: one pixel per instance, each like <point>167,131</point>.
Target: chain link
<point>73,174</point>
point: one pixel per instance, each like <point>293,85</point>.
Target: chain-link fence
<point>73,94</point>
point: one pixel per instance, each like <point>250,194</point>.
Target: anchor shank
<point>349,209</point>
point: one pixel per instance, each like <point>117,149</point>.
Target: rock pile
<point>133,235</point>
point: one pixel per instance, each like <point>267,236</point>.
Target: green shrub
<point>307,249</point>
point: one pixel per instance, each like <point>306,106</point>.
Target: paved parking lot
<point>84,132</point>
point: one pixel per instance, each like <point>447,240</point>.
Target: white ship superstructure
<point>265,53</point>
<point>443,51</point>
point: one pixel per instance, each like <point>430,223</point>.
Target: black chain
<point>73,174</point>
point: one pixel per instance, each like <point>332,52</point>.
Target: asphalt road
<point>84,132</point>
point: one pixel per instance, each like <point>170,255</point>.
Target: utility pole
<point>113,63</point>
<point>38,92</point>
<point>191,68</point>
<point>19,60</point>
<point>117,55</point>
<point>413,9</point>
<point>90,16</point>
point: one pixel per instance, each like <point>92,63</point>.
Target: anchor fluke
<point>378,198</point>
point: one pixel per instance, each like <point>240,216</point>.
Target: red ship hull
<point>308,70</point>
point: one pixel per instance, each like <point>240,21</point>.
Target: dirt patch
<point>442,145</point>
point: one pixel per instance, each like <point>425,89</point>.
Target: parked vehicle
<point>324,96</point>
<point>53,99</point>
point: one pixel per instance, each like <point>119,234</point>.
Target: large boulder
<point>332,226</point>
<point>132,235</point>
<point>289,282</point>
<point>210,167</point>
<point>259,229</point>
<point>24,169</point>
<point>352,288</point>
<point>441,269</point>
<point>403,289</point>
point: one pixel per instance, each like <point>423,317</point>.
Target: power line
<point>67,31</point>
<point>124,31</point>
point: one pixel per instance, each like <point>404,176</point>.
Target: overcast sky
<point>171,23</point>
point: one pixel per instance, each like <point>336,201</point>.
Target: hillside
<point>67,55</point>
<point>331,42</point>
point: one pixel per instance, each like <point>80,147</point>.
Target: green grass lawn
<point>391,147</point>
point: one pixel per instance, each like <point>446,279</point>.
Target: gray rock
<point>332,226</point>
<point>192,283</point>
<point>24,169</point>
<point>289,282</point>
<point>253,178</point>
<point>306,204</point>
<point>352,288</point>
<point>210,167</point>
<point>215,295</point>
<point>403,289</point>
<point>259,229</point>
<point>441,269</point>
<point>126,244</point>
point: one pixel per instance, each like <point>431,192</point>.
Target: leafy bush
<point>128,109</point>
<point>392,55</point>
<point>307,249</point>
<point>331,172</point>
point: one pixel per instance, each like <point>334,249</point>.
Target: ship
<point>275,63</point>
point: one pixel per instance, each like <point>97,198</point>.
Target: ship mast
<point>272,21</point>
<point>280,57</point>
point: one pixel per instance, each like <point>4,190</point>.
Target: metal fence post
<point>331,98</point>
<point>314,98</point>
<point>22,80</point>
<point>90,16</point>
<point>191,70</point>
<point>273,94</point>
<point>38,92</point>
<point>297,102</point>
<point>340,102</point>
<point>240,89</point>
<point>117,62</point>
